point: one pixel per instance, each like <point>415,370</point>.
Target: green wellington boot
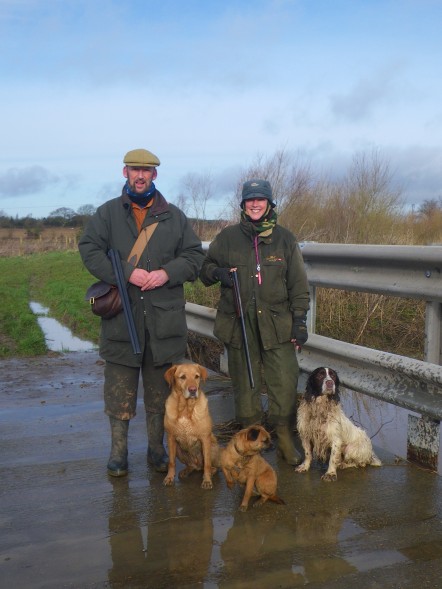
<point>156,454</point>
<point>117,465</point>
<point>286,446</point>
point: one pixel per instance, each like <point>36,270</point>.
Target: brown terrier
<point>242,462</point>
<point>188,424</point>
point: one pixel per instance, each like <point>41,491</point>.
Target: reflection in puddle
<point>58,338</point>
<point>385,423</point>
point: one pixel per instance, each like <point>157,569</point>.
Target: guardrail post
<point>311,315</point>
<point>433,317</point>
<point>423,441</point>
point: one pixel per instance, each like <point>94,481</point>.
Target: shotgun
<point>122,287</point>
<point>240,314</point>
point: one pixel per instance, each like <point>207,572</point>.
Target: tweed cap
<point>257,189</point>
<point>141,158</point>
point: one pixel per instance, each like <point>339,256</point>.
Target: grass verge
<point>58,280</point>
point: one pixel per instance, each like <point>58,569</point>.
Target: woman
<point>275,300</point>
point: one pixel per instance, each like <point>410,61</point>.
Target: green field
<point>58,280</point>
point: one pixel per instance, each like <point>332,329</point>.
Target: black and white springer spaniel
<point>326,432</point>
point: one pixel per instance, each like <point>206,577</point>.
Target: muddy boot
<point>156,454</point>
<point>286,446</point>
<point>117,465</point>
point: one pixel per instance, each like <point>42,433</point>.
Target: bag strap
<point>141,243</point>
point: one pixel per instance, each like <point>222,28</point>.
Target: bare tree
<point>64,213</point>
<point>86,210</point>
<point>290,178</point>
<point>182,203</point>
<point>197,191</point>
<point>430,206</point>
<point>365,205</point>
<point>370,182</point>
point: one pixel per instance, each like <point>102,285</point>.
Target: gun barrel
<point>121,283</point>
<point>239,312</point>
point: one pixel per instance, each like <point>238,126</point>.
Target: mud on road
<point>66,524</point>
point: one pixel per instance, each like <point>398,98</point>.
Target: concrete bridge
<point>66,524</point>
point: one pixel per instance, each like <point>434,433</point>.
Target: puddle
<point>58,337</point>
<point>386,424</point>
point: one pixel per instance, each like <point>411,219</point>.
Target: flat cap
<point>141,158</point>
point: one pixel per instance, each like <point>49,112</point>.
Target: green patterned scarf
<point>264,225</point>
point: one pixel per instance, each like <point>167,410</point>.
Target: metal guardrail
<point>404,271</point>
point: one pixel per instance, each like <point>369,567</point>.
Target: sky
<point>208,85</point>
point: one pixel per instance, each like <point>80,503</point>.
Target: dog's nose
<point>193,391</point>
<point>329,383</point>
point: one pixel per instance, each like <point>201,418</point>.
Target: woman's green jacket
<point>282,294</point>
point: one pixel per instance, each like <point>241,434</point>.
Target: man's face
<point>255,207</point>
<point>139,179</point>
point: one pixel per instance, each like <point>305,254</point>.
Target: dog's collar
<point>243,454</point>
<point>236,448</point>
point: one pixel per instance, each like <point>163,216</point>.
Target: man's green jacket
<point>174,246</point>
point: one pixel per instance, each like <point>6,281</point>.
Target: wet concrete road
<point>66,524</point>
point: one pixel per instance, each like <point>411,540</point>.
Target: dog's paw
<point>184,473</point>
<point>259,502</point>
<point>301,468</point>
<point>329,477</point>
<point>206,484</point>
<point>169,481</point>
<point>242,508</point>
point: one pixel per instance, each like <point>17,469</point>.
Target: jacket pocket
<point>282,322</point>
<point>169,319</point>
<point>115,329</point>
<point>227,329</point>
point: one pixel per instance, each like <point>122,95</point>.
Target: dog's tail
<point>276,499</point>
<point>375,460</point>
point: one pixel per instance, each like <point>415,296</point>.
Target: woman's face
<point>255,208</point>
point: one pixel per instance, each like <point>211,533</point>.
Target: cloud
<point>419,171</point>
<point>107,191</point>
<point>360,102</point>
<point>26,181</point>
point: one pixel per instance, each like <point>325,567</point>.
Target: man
<point>275,301</point>
<point>171,256</point>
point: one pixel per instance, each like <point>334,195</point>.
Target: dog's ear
<point>253,434</point>
<point>203,373</point>
<point>310,387</point>
<point>169,375</point>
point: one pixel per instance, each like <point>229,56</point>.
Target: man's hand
<point>148,280</point>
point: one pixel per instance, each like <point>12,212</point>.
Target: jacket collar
<point>248,229</point>
<point>158,207</point>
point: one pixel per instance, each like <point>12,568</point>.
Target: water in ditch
<point>58,337</point>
